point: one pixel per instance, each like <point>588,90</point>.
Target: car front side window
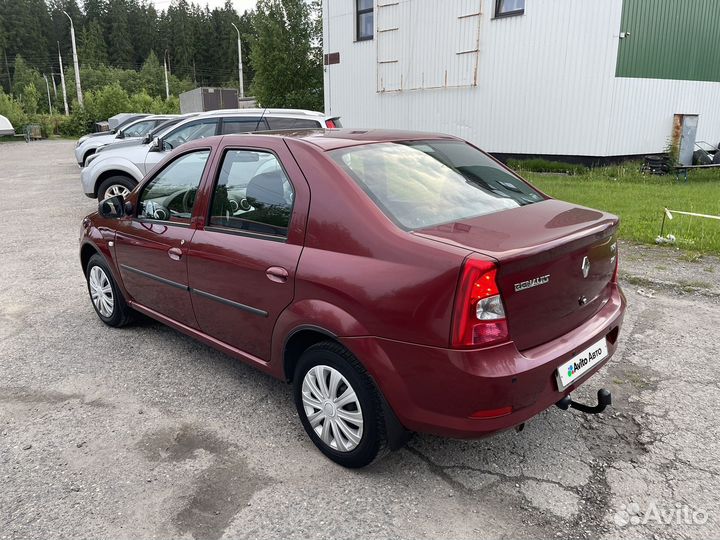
<point>170,196</point>
<point>252,194</point>
<point>139,129</point>
<point>190,132</point>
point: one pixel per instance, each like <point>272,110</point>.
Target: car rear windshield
<point>420,184</point>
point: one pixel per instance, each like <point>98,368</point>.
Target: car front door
<point>243,257</point>
<point>151,245</point>
<point>198,129</point>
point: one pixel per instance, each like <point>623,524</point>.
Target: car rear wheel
<point>339,405</point>
<point>105,296</point>
<point>116,185</point>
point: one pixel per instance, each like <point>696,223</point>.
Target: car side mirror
<point>120,134</point>
<point>112,207</point>
<point>156,145</point>
<point>128,208</point>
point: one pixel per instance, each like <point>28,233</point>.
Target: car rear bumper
<point>436,390</point>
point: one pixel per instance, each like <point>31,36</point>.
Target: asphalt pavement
<point>144,433</point>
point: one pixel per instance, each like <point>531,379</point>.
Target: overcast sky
<point>240,5</point>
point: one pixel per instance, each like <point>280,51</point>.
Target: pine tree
<point>152,76</point>
<point>120,45</point>
<point>93,50</point>
<point>26,26</point>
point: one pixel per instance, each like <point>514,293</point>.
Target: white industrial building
<point>596,79</point>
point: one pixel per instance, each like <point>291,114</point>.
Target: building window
<point>364,19</point>
<point>507,8</point>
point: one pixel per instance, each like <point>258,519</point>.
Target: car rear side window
<point>243,125</point>
<point>279,123</point>
<point>252,194</point>
<point>170,196</point>
<point>420,184</point>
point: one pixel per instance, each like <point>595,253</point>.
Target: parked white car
<point>116,171</point>
<point>136,129</point>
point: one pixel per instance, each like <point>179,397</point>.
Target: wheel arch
<point>298,341</point>
<point>304,337</point>
<point>120,168</point>
<point>86,252</point>
<point>89,152</point>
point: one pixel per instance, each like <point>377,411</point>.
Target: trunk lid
<point>541,251</point>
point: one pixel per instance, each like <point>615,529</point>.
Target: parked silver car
<point>134,130</point>
<point>116,171</point>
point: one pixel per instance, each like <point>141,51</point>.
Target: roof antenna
<point>257,126</point>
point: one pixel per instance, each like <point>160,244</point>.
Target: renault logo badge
<point>585,267</point>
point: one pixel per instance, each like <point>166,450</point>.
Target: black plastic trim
<point>175,284</point>
<point>162,280</point>
<point>238,305</point>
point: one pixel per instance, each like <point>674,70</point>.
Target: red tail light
<point>330,123</point>
<point>479,318</point>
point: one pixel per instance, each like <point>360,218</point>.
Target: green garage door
<point>670,39</point>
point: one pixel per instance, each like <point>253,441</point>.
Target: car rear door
<point>151,245</point>
<point>243,256</point>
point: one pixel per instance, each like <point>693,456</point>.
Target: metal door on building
<point>684,136</point>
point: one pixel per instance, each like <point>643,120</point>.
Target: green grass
<point>544,165</point>
<point>639,201</point>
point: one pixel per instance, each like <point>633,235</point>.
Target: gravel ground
<point>142,432</point>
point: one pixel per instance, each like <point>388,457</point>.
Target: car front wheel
<point>106,298</point>
<point>116,185</point>
<point>339,405</point>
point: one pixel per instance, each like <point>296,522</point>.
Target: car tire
<point>115,185</point>
<point>353,439</point>
<point>105,295</point>
<point>701,158</point>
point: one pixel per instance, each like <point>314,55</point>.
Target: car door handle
<point>277,274</point>
<point>175,254</point>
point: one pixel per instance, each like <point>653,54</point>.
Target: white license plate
<point>579,365</point>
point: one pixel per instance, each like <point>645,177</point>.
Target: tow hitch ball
<point>604,399</point>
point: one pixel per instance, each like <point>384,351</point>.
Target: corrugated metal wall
<point>670,39</point>
<point>545,80</point>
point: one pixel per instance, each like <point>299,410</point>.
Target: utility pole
<point>47,86</point>
<point>167,85</point>
<point>240,70</point>
<point>62,81</point>
<point>76,64</point>
<point>52,76</point>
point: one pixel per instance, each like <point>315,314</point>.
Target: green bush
<point>547,166</point>
<point>12,110</point>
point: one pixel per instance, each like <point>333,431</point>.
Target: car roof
<point>292,113</point>
<point>230,113</point>
<point>332,139</point>
<point>150,117</point>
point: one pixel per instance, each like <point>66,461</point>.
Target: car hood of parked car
<point>121,144</point>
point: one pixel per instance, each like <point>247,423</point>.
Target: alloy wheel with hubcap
<point>101,291</point>
<point>339,405</point>
<point>332,408</point>
<point>106,298</point>
<point>116,189</point>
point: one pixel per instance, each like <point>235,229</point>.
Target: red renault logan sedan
<point>400,281</point>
